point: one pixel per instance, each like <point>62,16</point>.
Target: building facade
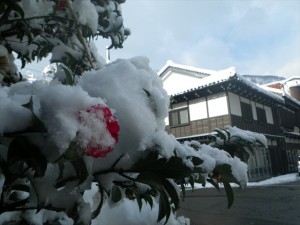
<point>224,98</point>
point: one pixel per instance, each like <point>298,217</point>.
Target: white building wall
<point>217,106</point>
<point>269,115</point>
<point>198,109</point>
<point>254,113</point>
<point>235,105</point>
<point>175,83</point>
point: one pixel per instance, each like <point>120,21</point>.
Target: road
<point>269,205</point>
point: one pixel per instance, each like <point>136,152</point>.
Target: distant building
<point>290,86</point>
<point>215,99</point>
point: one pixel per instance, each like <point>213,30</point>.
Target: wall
<point>175,83</point>
<point>235,102</point>
<point>202,126</point>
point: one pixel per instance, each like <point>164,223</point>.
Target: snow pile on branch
<point>104,125</point>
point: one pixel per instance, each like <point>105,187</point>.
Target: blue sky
<point>257,37</point>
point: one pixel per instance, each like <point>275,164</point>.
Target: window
<point>261,115</point>
<point>246,111</point>
<point>179,117</point>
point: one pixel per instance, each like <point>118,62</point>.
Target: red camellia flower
<point>99,132</point>
<point>61,5</point>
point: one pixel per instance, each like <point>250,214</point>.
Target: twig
<point>96,212</point>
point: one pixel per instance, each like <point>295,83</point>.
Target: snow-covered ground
<point>272,181</point>
<point>148,217</point>
<point>276,180</point>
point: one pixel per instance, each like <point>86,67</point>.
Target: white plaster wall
<point>175,83</point>
<point>254,113</point>
<point>269,115</point>
<point>198,110</point>
<point>217,106</point>
<point>235,105</point>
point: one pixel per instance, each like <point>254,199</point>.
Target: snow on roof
<point>172,64</point>
<point>283,81</point>
<point>211,80</point>
<point>226,74</point>
<point>293,133</point>
<point>274,90</point>
<point>287,96</point>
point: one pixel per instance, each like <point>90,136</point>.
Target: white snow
<point>134,94</point>
<point>129,209</point>
<point>87,14</point>
<point>271,181</point>
<point>215,77</point>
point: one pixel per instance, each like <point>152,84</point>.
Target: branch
<point>96,212</point>
<point>3,19</point>
<point>80,37</point>
<point>11,208</point>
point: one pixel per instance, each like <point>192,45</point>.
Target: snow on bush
<point>92,144</point>
<point>78,119</point>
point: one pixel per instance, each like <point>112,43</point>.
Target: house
<point>290,86</point>
<point>215,99</point>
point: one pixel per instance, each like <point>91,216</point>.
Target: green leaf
<point>75,157</point>
<point>213,137</point>
<point>222,134</point>
<point>141,164</point>
<point>81,170</point>
<point>16,196</point>
<point>164,207</point>
<point>138,197</point>
<point>224,171</point>
<point>29,105</point>
<point>173,168</point>
<point>151,179</point>
<point>197,161</point>
<point>191,182</point>
<point>182,190</point>
<point>71,153</point>
<point>18,9</point>
<point>36,124</point>
<point>216,185</point>
<point>44,51</point>
<point>170,189</point>
<point>116,194</point>
<point>23,61</point>
<point>21,149</point>
<point>149,199</point>
<point>228,134</point>
<point>147,93</point>
<point>229,192</point>
<point>201,180</point>
<point>69,77</point>
<point>21,187</point>
<point>2,7</point>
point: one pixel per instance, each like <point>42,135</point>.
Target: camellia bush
<point>93,140</point>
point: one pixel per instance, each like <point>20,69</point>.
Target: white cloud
<point>257,37</point>
<point>209,53</point>
<point>291,68</point>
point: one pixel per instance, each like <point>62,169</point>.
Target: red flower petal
<point>112,126</point>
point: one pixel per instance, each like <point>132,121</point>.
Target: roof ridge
<point>170,63</point>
